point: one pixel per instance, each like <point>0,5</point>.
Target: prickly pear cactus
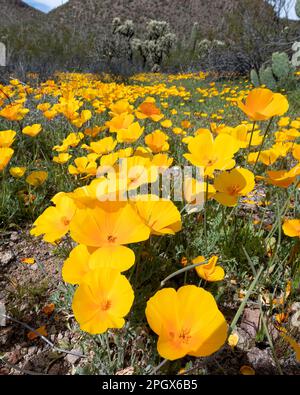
<point>267,78</point>
<point>281,65</point>
<point>254,78</point>
<point>297,8</point>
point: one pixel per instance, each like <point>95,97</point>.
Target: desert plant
<point>278,75</point>
<point>297,8</point>
<point>156,46</point>
<point>118,42</point>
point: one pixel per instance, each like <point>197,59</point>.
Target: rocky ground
<point>27,293</point>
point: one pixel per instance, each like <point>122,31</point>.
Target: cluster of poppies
<point>131,149</point>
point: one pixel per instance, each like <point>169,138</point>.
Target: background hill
<point>181,14</point>
<point>78,35</point>
<point>14,12</point>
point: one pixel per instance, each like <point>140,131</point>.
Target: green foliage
<point>297,8</point>
<point>156,46</point>
<point>254,78</point>
<point>276,76</point>
<point>194,37</point>
<point>267,77</point>
<point>281,65</point>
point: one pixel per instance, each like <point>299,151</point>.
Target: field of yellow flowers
<point>171,204</point>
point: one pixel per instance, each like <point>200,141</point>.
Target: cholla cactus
<point>118,44</point>
<point>297,8</point>
<point>126,29</point>
<point>157,46</point>
<point>205,47</point>
<point>115,24</point>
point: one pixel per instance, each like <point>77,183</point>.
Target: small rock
<point>295,307</point>
<point>14,236</point>
<point>6,257</point>
<point>126,372</point>
<point>4,335</point>
<point>261,360</point>
<point>250,321</point>
<point>72,359</point>
<point>295,320</point>
<point>2,314</point>
<point>245,342</point>
<point>59,336</point>
<point>14,357</point>
<point>32,350</point>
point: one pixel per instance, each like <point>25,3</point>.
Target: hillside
<point>181,14</point>
<point>13,12</point>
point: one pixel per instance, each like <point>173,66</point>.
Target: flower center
<point>106,305</point>
<point>65,221</point>
<point>184,336</point>
<point>211,161</point>
<point>111,239</point>
<point>234,190</point>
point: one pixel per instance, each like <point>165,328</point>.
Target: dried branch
<point>43,337</point>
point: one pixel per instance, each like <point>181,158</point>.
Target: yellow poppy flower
<point>296,152</point>
<point>17,172</point>
<point>283,178</point>
<point>37,178</point>
<point>102,300</point>
<point>231,185</point>
<point>262,104</point>
<point>209,271</point>
<point>162,161</point>
<point>131,134</point>
<point>76,266</point>
<point>137,171</point>
<point>108,224</point>
<point>103,146</point>
<point>212,154</point>
<point>32,130</point>
<point>120,107</point>
<point>267,157</point>
<point>162,216</point>
<point>5,156</point>
<point>149,110</point>
<point>14,112</point>
<point>119,122</point>
<point>291,227</point>
<point>193,326</point>
<point>55,221</point>
<point>83,166</point>
<point>7,137</point>
<point>157,141</point>
<point>167,123</point>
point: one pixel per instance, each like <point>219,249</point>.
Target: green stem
<point>205,214</point>
<point>185,269</point>
<point>245,300</point>
<point>155,370</point>
<point>251,137</point>
<point>263,142</point>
